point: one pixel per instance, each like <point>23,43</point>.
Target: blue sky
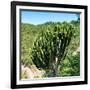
<point>34,17</point>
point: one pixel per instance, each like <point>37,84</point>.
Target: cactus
<point>50,47</point>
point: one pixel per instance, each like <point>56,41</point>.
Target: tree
<point>50,47</point>
<point>78,16</point>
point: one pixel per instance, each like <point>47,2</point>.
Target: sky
<point>34,17</point>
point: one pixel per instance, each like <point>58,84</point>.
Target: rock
<point>30,73</point>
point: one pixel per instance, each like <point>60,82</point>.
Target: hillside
<point>70,65</point>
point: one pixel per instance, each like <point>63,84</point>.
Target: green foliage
<point>27,32</point>
<point>71,66</point>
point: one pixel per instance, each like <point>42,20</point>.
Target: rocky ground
<point>30,73</point>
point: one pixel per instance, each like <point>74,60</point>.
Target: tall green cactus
<point>51,47</point>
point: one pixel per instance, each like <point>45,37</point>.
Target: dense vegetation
<point>52,46</point>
